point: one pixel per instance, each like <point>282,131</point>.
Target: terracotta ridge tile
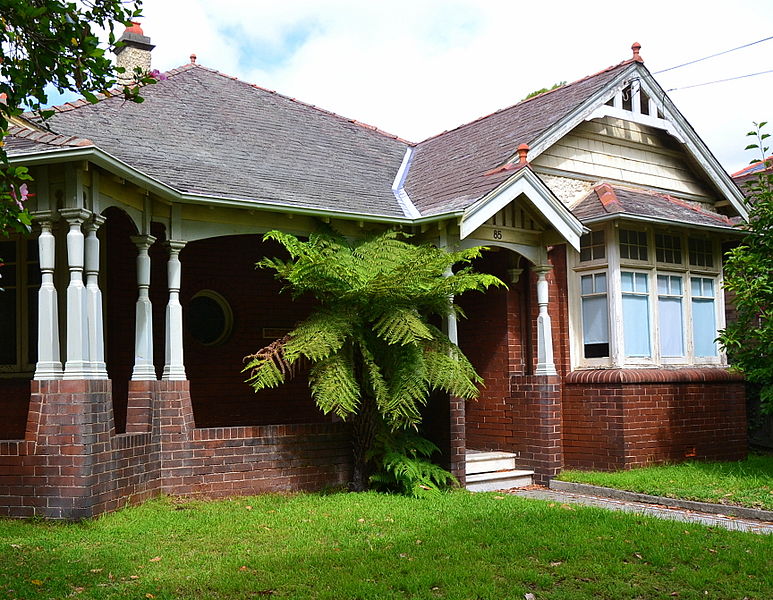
<point>116,91</point>
<point>701,211</point>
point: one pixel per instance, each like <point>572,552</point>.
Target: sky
<point>418,67</point>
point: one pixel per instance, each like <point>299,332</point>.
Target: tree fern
<point>370,343</point>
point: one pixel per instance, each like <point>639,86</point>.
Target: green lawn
<point>460,545</point>
<point>746,483</point>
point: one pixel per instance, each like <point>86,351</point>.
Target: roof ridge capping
<point>302,103</point>
<point>114,92</point>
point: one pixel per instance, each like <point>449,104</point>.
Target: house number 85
<point>497,234</point>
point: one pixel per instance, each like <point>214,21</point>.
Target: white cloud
<point>418,67</point>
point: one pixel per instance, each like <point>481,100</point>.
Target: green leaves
<point>748,339</point>
<point>371,342</point>
<point>51,42</point>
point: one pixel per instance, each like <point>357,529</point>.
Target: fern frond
<point>269,366</point>
<point>320,335</point>
<point>402,326</point>
<point>334,386</point>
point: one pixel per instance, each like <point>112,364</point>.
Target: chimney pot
<point>193,59</point>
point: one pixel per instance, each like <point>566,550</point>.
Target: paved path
<point>662,512</point>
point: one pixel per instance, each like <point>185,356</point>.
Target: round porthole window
<point>209,318</point>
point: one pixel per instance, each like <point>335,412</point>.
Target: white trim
<point>673,122</point>
<point>398,189</point>
<point>528,183</point>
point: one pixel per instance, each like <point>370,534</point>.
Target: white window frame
<point>613,267</point>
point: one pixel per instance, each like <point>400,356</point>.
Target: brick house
<point>126,316</point>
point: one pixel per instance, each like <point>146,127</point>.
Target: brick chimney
<point>134,51</point>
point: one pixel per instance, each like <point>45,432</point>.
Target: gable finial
<point>523,150</point>
<point>193,59</point>
<point>636,47</point>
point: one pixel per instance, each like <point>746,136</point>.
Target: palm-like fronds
<point>371,343</point>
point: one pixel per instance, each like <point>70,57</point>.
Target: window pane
<point>704,327</point>
<point>641,282</point>
<point>633,244</point>
<point>586,284</point>
<point>636,325</point>
<point>626,281</point>
<point>601,283</point>
<point>595,322</point>
<point>701,252</point>
<point>671,327</point>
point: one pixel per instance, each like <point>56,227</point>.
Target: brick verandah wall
<point>72,465</point>
<point>623,418</point>
<point>517,411</point>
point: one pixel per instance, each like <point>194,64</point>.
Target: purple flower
<point>23,192</point>
<point>158,75</point>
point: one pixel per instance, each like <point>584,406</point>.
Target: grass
<point>371,546</point>
<point>745,483</point>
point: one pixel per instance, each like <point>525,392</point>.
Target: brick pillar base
<point>457,442</point>
<point>69,428</point>
<point>536,410</point>
<point>175,421</point>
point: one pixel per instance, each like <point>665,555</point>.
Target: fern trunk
<point>364,426</point>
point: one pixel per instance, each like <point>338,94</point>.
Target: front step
<point>492,471</point>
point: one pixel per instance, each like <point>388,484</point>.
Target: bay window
<point>647,296</point>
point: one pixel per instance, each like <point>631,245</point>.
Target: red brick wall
<point>615,419</point>
<point>490,338</point>
<point>220,396</point>
<point>72,465</point>
<point>14,404</point>
<point>516,411</point>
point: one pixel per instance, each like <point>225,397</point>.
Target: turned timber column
<point>545,364</point>
<point>174,366</point>
<point>49,365</point>
<point>77,365</point>
<point>94,299</point>
<point>143,338</point>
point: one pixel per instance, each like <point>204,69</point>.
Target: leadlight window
<point>595,315</point>
<point>671,315</point>
<point>668,248</point>
<point>636,313</point>
<point>592,246</point>
<point>633,244</point>
<point>701,252</point>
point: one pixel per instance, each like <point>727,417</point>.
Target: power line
<point>687,87</point>
<point>697,60</point>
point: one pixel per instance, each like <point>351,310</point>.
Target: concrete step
<point>501,480</point>
<point>489,462</point>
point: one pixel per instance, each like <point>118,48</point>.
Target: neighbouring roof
<point>750,173</point>
<point>202,132</point>
<point>448,171</point>
<point>606,201</point>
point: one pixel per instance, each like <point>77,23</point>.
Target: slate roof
<point>448,171</point>
<point>606,200</point>
<point>203,132</point>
